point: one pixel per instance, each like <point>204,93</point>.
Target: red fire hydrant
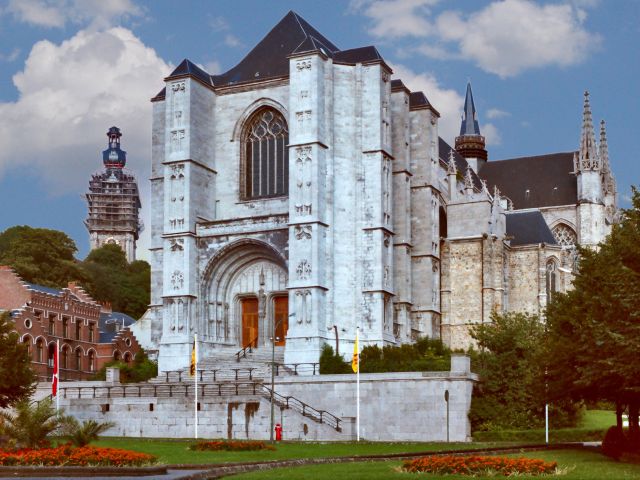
<point>278,430</point>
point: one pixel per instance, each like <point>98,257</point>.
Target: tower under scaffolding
<point>114,201</point>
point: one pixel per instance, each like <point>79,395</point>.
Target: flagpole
<point>57,374</point>
<point>195,349</point>
<point>358,388</point>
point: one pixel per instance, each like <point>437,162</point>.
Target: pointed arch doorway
<point>249,307</point>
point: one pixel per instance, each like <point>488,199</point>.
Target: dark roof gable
<point>534,182</point>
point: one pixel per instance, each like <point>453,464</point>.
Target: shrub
<point>231,445</point>
<point>81,435</point>
<point>615,443</point>
<point>332,363</point>
<point>425,355</point>
<point>141,370</point>
<point>71,456</point>
<point>476,465</point>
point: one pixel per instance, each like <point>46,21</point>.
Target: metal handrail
<point>243,352</point>
<point>202,371</point>
<point>320,416</point>
<point>299,368</point>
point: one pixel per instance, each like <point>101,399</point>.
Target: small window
<point>151,407</point>
<point>92,361</point>
<point>52,325</point>
<point>78,329</point>
<point>127,342</point>
<point>65,327</point>
<point>64,358</point>
<point>92,332</point>
<point>28,324</point>
<point>39,351</point>
<point>78,359</point>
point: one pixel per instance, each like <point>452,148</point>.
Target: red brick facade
<point>44,316</point>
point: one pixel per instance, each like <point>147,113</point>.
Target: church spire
<point>469,121</point>
<point>470,144</point>
<point>603,148</point>
<point>588,156</point>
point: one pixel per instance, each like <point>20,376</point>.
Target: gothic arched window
<point>564,235</point>
<point>265,171</point>
<point>551,278</point>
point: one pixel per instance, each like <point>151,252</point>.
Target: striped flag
<point>56,373</point>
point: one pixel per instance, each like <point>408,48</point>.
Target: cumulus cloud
<point>447,101</point>
<point>491,134</point>
<point>396,18</point>
<point>506,37</point>
<point>69,94</point>
<point>510,36</point>
<point>57,13</point>
<point>497,113</point>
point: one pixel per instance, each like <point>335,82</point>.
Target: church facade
<point>306,192</point>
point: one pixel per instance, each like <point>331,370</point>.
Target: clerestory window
<point>265,171</point>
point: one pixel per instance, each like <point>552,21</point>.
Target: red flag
<point>54,381</point>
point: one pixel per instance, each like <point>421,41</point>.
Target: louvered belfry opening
<point>266,157</point>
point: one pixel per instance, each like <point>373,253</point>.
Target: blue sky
<point>69,69</point>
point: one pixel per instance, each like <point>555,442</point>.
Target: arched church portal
<point>246,294</point>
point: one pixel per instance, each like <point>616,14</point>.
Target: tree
<point>18,379</point>
<point>594,330</point>
<point>30,424</point>
<point>127,286</point>
<point>40,255</point>
<point>510,363</point>
<point>142,369</point>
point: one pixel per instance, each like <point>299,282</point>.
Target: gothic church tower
<point>470,143</point>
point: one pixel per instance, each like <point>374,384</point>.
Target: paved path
<point>171,475</point>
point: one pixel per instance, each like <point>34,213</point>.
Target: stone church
<point>306,191</point>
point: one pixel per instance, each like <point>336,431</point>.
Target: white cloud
<point>491,134</point>
<point>11,56</point>
<point>396,18</point>
<point>510,36</point>
<point>506,37</point>
<point>493,113</point>
<point>232,41</point>
<point>69,95</point>
<point>447,102</point>
<point>212,67</point>
<point>57,13</point>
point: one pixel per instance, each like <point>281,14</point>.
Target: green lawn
<point>592,427</point>
<point>573,464</point>
<point>177,452</point>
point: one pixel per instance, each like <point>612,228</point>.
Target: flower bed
<point>474,465</point>
<point>67,455</point>
<point>231,445</point>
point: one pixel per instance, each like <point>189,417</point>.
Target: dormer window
<point>265,162</point>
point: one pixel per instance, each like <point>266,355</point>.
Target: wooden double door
<point>250,320</point>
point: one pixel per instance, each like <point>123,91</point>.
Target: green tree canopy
<point>17,379</point>
<point>127,286</point>
<point>594,329</point>
<point>510,363</point>
<point>40,255</point>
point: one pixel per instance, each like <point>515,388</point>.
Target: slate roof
<point>469,124</point>
<point>270,57</point>
<point>111,323</point>
<point>461,163</point>
<point>528,228</point>
<point>534,182</point>
<point>39,288</point>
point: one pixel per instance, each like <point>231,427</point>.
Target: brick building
<point>90,334</point>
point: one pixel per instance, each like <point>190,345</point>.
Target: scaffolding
<point>114,202</point>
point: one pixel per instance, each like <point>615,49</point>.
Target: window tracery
<point>564,235</point>
<point>265,171</point>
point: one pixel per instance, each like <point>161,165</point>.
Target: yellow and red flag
<point>192,367</point>
<point>356,355</point>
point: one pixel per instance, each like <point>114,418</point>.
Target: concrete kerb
<point>49,472</point>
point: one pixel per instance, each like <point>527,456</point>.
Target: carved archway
<point>232,277</point>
